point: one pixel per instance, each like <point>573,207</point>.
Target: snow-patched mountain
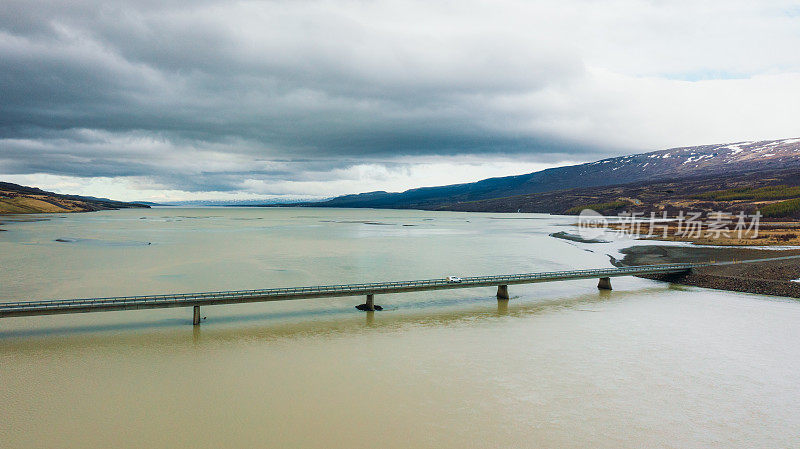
<point>675,163</point>
<point>704,159</point>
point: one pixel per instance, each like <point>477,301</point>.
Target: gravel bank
<point>766,278</point>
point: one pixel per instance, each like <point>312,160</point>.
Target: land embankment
<point>17,199</point>
<point>767,233</point>
<point>766,278</point>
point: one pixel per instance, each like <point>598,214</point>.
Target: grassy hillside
<point>782,209</point>
<point>750,193</point>
<point>17,199</point>
<point>775,193</point>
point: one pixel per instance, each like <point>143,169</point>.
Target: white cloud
<point>395,176</point>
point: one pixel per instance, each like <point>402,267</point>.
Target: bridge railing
<point>343,288</point>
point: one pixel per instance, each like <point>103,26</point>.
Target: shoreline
<point>769,233</point>
<point>772,278</point>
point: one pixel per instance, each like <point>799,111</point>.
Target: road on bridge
<point>195,300</point>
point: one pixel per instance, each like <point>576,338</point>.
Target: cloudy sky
<point>209,99</point>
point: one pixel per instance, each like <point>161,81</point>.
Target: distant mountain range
<point>721,160</point>
<point>17,199</point>
<point>231,203</point>
<point>774,192</point>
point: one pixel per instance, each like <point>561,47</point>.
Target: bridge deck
<point>57,306</point>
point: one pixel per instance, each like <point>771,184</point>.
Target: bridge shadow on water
<point>318,321</point>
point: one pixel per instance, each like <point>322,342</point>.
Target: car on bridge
<point>453,279</point>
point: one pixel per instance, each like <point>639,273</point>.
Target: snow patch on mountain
<point>735,149</point>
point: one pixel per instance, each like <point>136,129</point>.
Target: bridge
<point>196,300</point>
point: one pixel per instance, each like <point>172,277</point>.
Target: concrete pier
<point>502,292</point>
<point>369,306</point>
<point>196,317</point>
<point>604,284</point>
<point>370,303</point>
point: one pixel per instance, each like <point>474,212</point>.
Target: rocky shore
<point>766,278</point>
<point>770,233</point>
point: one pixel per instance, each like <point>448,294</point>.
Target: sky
<point>160,100</point>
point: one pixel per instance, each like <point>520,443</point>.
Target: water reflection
<point>502,307</point>
<point>196,330</point>
<point>303,322</point>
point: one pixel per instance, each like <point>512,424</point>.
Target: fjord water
<point>560,365</point>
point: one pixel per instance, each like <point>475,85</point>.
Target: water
<point>561,365</point>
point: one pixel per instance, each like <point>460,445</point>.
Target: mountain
<point>235,203</point>
<point>17,199</point>
<point>771,191</point>
<point>671,164</point>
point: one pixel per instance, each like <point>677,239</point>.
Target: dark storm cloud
<point>199,95</point>
<point>296,79</point>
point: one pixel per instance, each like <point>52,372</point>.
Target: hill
<point>17,199</point>
<point>748,191</point>
<point>718,160</point>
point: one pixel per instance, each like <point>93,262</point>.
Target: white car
<point>453,279</point>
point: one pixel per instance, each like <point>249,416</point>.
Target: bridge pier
<point>196,316</point>
<point>502,292</point>
<point>369,306</point>
<point>604,284</point>
<point>370,303</point>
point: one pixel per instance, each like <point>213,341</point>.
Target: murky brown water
<point>562,365</point>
